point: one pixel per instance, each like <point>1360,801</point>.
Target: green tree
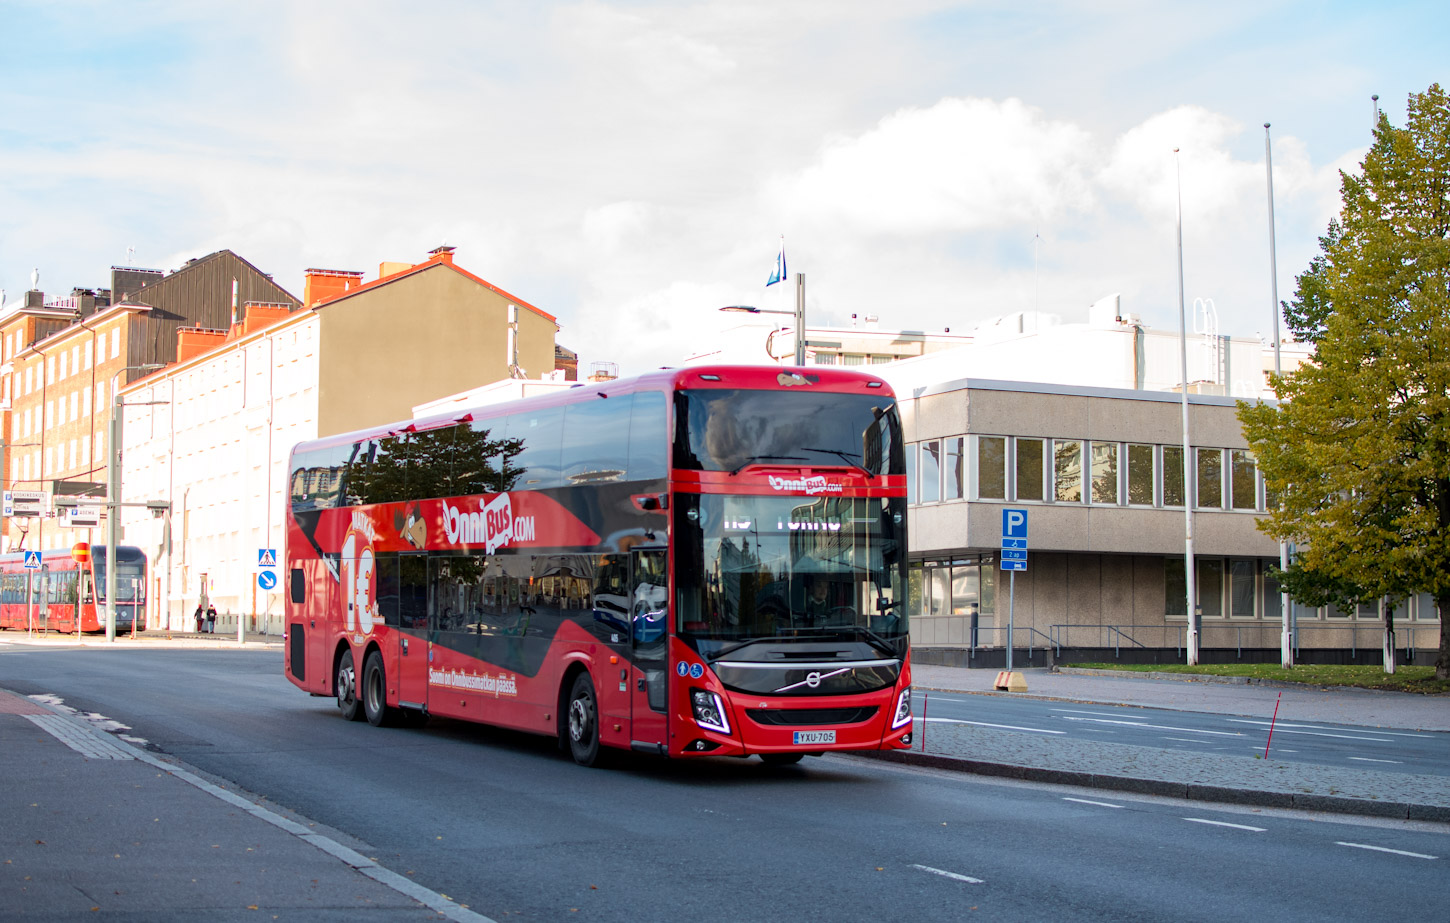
<point>1357,451</point>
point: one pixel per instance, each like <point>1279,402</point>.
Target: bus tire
<point>781,759</point>
<point>581,723</point>
<point>375,692</point>
<point>346,687</point>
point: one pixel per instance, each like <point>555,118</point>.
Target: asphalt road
<point>502,823</point>
<point>1320,743</point>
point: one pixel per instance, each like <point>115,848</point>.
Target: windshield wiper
<point>843,457</point>
<point>735,647</point>
<point>759,458</point>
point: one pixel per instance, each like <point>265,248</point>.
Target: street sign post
<point>26,503</point>
<point>1014,558</point>
<point>267,580</point>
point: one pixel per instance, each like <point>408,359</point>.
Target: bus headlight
<point>709,711</point>
<point>903,709</point>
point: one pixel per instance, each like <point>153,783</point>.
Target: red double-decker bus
<point>69,588</point>
<point>705,561</point>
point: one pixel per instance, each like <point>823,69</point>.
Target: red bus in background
<point>702,561</point>
<point>53,596</point>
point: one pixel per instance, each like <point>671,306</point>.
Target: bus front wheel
<point>347,701</point>
<point>582,722</point>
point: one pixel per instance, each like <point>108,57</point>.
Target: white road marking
<point>1186,740</point>
<point>1365,759</point>
<point>952,875</point>
<point>1101,804</point>
<point>1005,727</point>
<point>1161,727</point>
<point>1315,727</point>
<point>1398,852</point>
<point>1099,714</point>
<point>1219,823</point>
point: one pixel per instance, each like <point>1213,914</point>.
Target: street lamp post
<point>113,495</point>
<point>799,313</point>
<point>1188,466</point>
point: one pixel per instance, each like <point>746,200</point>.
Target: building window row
<point>1244,588</point>
<point>1022,469</point>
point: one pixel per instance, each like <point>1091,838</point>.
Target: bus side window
<point>299,586</point>
<point>648,436</point>
<point>596,440</point>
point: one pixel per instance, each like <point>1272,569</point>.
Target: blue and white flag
<point>779,273</point>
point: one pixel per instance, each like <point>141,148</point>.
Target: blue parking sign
<point>1014,523</point>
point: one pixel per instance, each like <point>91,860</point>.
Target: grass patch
<point>1405,679</point>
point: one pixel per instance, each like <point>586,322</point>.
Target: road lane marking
<point>1315,727</point>
<point>1398,852</point>
<point>1189,740</point>
<point>1100,714</point>
<point>1161,727</point>
<point>1365,759</point>
<point>952,875</point>
<point>1005,727</point>
<point>1101,804</point>
<point>1219,823</point>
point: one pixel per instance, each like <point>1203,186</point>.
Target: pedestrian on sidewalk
<point>211,619</point>
<point>200,618</point>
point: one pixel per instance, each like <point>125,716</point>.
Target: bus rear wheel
<point>346,687</point>
<point>582,722</point>
<point>375,692</point>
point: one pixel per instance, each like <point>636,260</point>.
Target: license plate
<point>813,737</point>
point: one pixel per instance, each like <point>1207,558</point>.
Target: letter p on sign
<point>1014,523</point>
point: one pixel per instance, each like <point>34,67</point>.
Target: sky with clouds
<point>630,166</point>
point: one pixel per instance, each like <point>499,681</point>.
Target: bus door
<point>650,642</point>
<point>412,633</point>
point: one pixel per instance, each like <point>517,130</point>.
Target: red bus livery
<point>52,596</point>
<point>704,561</point>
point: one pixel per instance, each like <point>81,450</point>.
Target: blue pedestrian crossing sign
<point>267,580</point>
<point>32,560</point>
<point>266,557</point>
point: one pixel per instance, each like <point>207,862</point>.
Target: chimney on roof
<point>321,284</point>
<point>443,254</point>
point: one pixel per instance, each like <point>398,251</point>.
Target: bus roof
<point>752,377</point>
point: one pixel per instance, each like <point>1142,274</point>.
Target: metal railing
<point>1143,636</point>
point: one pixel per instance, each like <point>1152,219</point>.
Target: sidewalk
<point>154,638</point>
<point>1183,774</point>
<point>95,826</point>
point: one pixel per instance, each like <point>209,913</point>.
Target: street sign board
<point>1014,554</point>
<point>88,516</point>
<point>1013,565</point>
<point>266,557</point>
<point>32,560</point>
<point>267,579</point>
<point>1015,543</point>
<point>26,503</point>
<point>1014,523</point>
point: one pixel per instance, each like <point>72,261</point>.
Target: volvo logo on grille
<point>813,679</point>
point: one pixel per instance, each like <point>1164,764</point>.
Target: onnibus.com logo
<point>811,485</point>
<point>493,525</point>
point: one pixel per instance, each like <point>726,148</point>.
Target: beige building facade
<point>1100,473</point>
<point>212,433</point>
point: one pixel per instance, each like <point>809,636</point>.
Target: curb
<point>1191,791</point>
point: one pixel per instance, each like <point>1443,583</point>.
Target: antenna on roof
<point>35,279</point>
<point>130,251</point>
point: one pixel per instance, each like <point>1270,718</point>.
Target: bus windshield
<point>784,568</point>
<point>729,429</point>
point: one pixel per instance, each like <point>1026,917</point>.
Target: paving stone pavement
<point>1178,773</point>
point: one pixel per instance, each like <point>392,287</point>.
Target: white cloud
<point>961,165</point>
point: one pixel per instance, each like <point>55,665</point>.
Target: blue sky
<point>629,167</point>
